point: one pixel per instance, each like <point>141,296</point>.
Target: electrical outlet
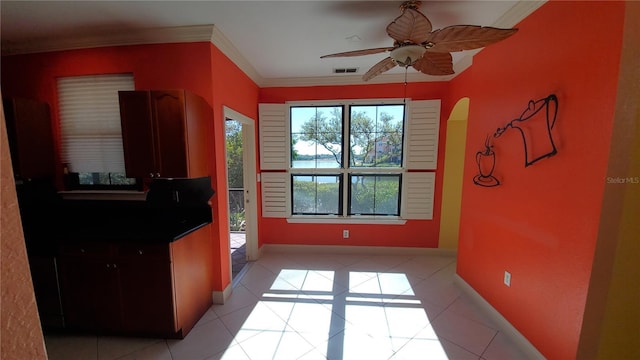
<point>345,234</point>
<point>507,278</point>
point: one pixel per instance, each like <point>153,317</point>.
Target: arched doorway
<point>453,174</point>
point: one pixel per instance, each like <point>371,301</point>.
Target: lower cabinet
<point>146,290</point>
<point>130,289</point>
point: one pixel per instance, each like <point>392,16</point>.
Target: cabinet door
<point>146,288</point>
<point>30,138</point>
<point>138,134</point>
<point>90,294</point>
<point>168,109</point>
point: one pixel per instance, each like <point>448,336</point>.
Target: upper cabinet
<point>30,138</point>
<point>164,133</point>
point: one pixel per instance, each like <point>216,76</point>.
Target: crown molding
<point>352,80</point>
<point>517,13</point>
<point>182,34</point>
<point>223,44</point>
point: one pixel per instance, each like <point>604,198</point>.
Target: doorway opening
<point>241,184</point>
<point>235,185</point>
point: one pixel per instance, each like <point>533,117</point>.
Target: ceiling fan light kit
<point>407,55</point>
<point>415,44</point>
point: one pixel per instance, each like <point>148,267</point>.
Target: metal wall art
<point>535,123</point>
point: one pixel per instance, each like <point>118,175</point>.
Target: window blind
<point>91,134</point>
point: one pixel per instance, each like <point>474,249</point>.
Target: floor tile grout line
<point>452,341</point>
<point>158,341</point>
<point>489,344</point>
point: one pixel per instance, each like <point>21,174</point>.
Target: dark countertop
<point>112,221</point>
<point>142,232</point>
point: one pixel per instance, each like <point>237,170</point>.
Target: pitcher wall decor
<point>530,128</point>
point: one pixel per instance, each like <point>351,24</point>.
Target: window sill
<point>104,195</point>
<point>377,220</point>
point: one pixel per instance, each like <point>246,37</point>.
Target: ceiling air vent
<point>345,71</point>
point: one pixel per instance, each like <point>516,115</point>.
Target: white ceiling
<point>276,40</point>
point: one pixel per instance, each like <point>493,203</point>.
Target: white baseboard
<point>505,326</point>
<point>368,250</point>
<point>219,297</point>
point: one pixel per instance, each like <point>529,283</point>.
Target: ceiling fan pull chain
<point>404,100</point>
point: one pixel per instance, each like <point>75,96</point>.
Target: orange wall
<point>541,224</point>
<point>415,233</point>
<point>233,89</point>
<point>187,66</point>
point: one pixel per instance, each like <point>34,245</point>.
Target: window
<point>374,194</point>
<point>317,194</point>
<point>91,135</point>
<point>372,135</point>
<point>395,174</point>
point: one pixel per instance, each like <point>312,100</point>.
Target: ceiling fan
<point>415,44</point>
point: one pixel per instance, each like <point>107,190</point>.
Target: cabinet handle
<point>139,252</point>
<point>82,251</point>
<point>108,266</point>
<point>115,266</point>
<point>157,174</point>
<point>151,175</point>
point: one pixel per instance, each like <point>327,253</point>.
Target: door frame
<point>249,179</point>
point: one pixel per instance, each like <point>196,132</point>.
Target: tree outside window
<point>374,140</point>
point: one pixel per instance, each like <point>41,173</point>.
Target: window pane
<point>100,178</point>
<point>316,137</point>
<point>316,194</point>
<point>376,135</point>
<point>374,195</point>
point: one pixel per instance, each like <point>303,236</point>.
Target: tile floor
<point>321,306</point>
<point>238,252</point>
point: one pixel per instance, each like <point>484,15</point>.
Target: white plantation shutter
<point>275,198</point>
<point>422,130</point>
<point>273,136</point>
<point>418,195</point>
<point>90,127</point>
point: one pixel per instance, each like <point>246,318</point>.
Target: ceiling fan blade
<point>435,64</point>
<point>411,26</point>
<point>358,52</point>
<point>379,68</point>
<point>466,37</point>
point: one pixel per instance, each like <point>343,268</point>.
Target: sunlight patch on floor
<point>306,313</point>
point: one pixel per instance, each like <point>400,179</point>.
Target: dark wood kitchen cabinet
<point>136,288</point>
<point>146,290</point>
<point>89,286</point>
<point>164,133</point>
<point>30,136</point>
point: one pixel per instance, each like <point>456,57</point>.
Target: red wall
<point>196,67</point>
<point>541,223</point>
<point>415,233</point>
<point>164,66</point>
<point>234,89</point>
